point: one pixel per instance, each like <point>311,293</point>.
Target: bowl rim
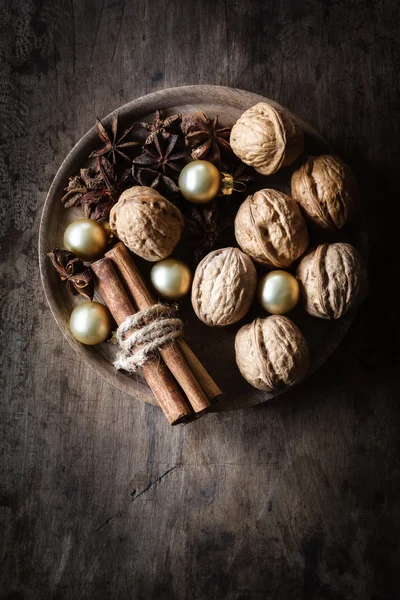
<point>145,105</point>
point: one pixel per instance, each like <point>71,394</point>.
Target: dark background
<point>99,497</point>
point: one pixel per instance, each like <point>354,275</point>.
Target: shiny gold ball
<point>86,238</point>
<point>171,279</point>
<point>200,181</point>
<point>90,323</point>
<point>278,292</point>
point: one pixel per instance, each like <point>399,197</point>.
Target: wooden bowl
<point>214,346</point>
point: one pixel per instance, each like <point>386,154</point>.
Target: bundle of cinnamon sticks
<point>182,386</point>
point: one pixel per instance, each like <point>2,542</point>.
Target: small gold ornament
<point>90,323</point>
<point>200,181</point>
<point>278,292</point>
<point>108,231</point>
<point>86,238</point>
<point>171,279</point>
<point>232,184</point>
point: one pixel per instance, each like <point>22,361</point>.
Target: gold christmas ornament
<point>90,323</point>
<point>171,278</point>
<point>232,184</point>
<point>199,181</point>
<point>86,238</point>
<point>278,292</point>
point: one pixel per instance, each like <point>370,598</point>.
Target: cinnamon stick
<point>157,375</point>
<point>197,384</point>
<point>208,384</point>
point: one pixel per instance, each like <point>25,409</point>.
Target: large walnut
<point>272,353</point>
<point>332,280</point>
<point>223,287</point>
<point>146,222</point>
<point>326,190</point>
<point>266,138</point>
<point>270,228</point>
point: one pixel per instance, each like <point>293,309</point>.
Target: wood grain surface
<point>99,497</point>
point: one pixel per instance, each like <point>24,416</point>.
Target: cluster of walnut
<point>267,139</point>
<point>270,228</point>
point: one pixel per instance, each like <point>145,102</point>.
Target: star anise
<point>96,190</point>
<point>79,185</point>
<point>113,143</point>
<point>162,156</point>
<point>206,137</point>
<point>161,126</point>
<point>72,270</point>
<point>160,163</point>
<point>150,178</point>
<point>207,223</point>
<point>206,218</point>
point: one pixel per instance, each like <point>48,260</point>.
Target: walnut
<point>266,138</point>
<point>326,190</point>
<point>332,280</point>
<point>146,222</point>
<point>269,227</point>
<point>272,353</point>
<point>223,287</point>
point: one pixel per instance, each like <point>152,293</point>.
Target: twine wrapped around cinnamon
<point>158,377</point>
<point>156,326</point>
<point>193,378</point>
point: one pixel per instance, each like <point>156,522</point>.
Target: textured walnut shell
<point>266,138</point>
<point>269,227</point>
<point>332,279</point>
<point>223,287</point>
<point>326,190</point>
<point>146,222</point>
<point>272,353</point>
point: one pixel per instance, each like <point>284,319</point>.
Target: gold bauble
<point>278,292</point>
<point>200,181</point>
<point>90,323</point>
<point>86,238</point>
<point>171,279</point>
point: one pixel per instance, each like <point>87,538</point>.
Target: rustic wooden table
<point>99,497</point>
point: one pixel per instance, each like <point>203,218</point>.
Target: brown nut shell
<point>332,279</point>
<point>266,138</point>
<point>272,353</point>
<point>269,227</point>
<point>146,222</point>
<point>326,190</point>
<point>223,287</point>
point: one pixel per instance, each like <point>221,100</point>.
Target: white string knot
<point>148,331</point>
